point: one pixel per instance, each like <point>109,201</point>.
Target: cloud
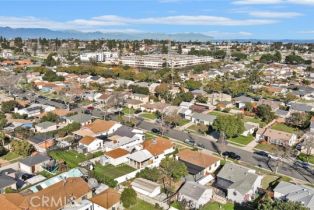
<point>222,34</point>
<point>306,32</point>
<point>304,2</point>
<point>273,14</point>
<point>101,22</point>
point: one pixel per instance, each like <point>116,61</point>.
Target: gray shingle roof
<point>46,124</point>
<point>34,160</point>
<point>204,117</point>
<point>297,193</point>
<point>6,181</point>
<point>193,190</point>
<point>80,118</point>
<point>242,180</point>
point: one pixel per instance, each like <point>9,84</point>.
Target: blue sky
<point>262,19</point>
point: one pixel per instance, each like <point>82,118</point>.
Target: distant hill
<point>26,33</point>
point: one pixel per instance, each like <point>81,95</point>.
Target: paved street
<point>248,157</point>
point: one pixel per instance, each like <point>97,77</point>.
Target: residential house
<point>99,128</point>
<point>140,97</point>
<point>140,159</point>
<point>299,107</point>
<point>154,107</point>
<point>45,127</point>
<point>117,156</point>
<point>90,144</point>
<point>42,141</point>
<point>7,181</point>
<point>242,100</point>
<point>215,98</point>
<point>238,183</point>
<point>34,110</point>
<point>250,128</point>
<point>60,194</point>
<point>107,200</point>
<point>198,163</point>
<point>126,138</point>
<point>205,119</point>
<point>194,195</point>
<point>276,137</point>
<point>282,113</point>
<point>274,105</point>
<point>83,119</point>
<point>133,104</point>
<point>159,147</point>
<point>295,193</point>
<point>34,164</point>
<point>146,187</point>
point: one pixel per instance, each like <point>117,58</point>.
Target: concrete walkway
<point>183,127</point>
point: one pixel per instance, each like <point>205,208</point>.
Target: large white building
<point>159,60</point>
<point>108,57</point>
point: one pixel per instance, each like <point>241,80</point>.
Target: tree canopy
<point>230,125</point>
<point>128,197</point>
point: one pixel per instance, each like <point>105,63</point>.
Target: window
<point>234,193</point>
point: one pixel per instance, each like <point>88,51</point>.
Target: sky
<point>221,19</point>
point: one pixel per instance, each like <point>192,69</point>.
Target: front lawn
<point>244,140</point>
<point>183,122</point>
<point>128,111</point>
<point>284,127</point>
<point>216,205</point>
<point>267,180</point>
<point>306,158</point>
<point>271,148</point>
<point>10,156</point>
<point>71,157</point>
<point>111,171</point>
<point>148,115</point>
<point>142,205</point>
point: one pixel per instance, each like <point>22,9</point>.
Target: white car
<point>274,157</point>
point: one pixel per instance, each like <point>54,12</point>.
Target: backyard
<point>215,205</point>
<point>242,140</point>
<point>254,120</point>
<point>111,171</point>
<point>10,156</point>
<point>70,157</point>
<point>142,205</point>
<point>284,127</point>
<point>128,111</point>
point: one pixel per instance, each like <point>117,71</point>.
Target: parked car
<point>156,130</point>
<point>302,164</point>
<point>261,153</point>
<point>190,142</point>
<point>231,155</point>
<point>274,157</point>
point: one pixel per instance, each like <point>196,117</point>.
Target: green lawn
<point>218,113</point>
<point>71,157</point>
<point>149,135</point>
<point>267,147</point>
<point>128,111</point>
<point>254,120</point>
<point>215,205</point>
<point>10,156</point>
<point>267,180</point>
<point>142,205</point>
<point>183,122</point>
<point>306,158</point>
<point>242,139</point>
<point>46,174</point>
<point>148,115</point>
<point>284,127</point>
<point>112,171</point>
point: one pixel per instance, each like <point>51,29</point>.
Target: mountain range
<point>34,33</point>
